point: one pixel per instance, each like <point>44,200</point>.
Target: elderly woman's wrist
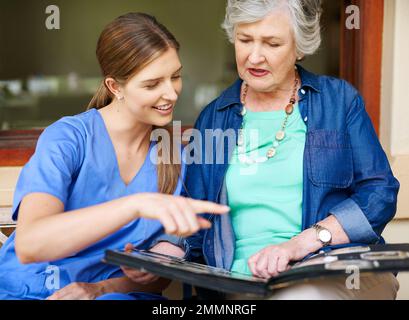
<point>306,243</point>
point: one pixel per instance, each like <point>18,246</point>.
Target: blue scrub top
<point>75,161</point>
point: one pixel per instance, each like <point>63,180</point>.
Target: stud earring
<point>120,98</point>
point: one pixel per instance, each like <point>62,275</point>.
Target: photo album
<point>371,258</point>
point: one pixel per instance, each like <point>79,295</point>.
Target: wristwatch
<point>323,235</point>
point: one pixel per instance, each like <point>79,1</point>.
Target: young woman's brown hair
<point>125,47</point>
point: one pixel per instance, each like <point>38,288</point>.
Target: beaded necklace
<point>279,137</point>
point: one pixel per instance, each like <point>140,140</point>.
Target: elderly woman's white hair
<point>305,16</point>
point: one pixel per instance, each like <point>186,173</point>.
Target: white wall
<point>395,69</point>
<point>395,117</point>
<point>395,95</point>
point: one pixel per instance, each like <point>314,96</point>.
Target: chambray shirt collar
<point>232,95</point>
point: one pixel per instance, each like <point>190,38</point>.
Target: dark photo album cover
<point>371,258</point>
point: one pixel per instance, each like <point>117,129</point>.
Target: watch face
<point>325,236</point>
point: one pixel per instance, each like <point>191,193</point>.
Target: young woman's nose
<point>170,92</point>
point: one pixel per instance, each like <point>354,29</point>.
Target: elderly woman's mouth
<point>258,72</point>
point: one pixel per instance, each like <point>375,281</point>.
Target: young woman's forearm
<point>125,285</point>
<point>61,235</point>
<point>57,235</point>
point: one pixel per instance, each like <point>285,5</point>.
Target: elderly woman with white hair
<point>305,171</point>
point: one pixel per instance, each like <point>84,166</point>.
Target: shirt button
<point>302,91</point>
<point>305,119</point>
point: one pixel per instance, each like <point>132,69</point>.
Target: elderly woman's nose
<point>256,56</point>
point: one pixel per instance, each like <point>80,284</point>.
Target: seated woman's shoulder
<point>225,97</point>
<point>211,106</point>
<point>334,85</point>
<point>73,127</point>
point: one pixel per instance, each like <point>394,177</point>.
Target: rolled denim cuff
<point>354,222</point>
<point>189,248</point>
<point>186,248</point>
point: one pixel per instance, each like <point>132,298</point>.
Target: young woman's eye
<point>176,77</point>
<point>151,86</point>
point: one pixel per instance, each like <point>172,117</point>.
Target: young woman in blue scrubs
<point>92,184</point>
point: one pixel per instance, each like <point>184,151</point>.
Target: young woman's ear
<point>114,87</point>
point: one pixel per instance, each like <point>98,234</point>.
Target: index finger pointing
<point>200,206</point>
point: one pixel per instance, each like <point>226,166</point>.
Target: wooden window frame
<point>17,146</point>
<point>361,64</point>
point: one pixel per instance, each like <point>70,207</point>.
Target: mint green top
<point>266,198</point>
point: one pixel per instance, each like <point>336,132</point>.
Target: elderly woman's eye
<point>274,45</point>
<point>244,40</point>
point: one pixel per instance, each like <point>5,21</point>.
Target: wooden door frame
<point>360,64</point>
<point>361,54</point>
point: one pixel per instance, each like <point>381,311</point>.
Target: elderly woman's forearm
<point>308,242</point>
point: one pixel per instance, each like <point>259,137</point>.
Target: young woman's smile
<point>165,109</point>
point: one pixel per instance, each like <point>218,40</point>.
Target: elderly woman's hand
<point>274,259</point>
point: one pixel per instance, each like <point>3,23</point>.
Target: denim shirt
<point>345,171</point>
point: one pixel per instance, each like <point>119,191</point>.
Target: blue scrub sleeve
<point>52,167</point>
